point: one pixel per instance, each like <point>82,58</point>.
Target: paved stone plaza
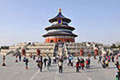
<point>17,71</point>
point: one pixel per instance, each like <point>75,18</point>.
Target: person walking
<point>100,58</point>
<point>70,58</point>
<point>45,61</point>
<point>112,58</point>
<point>87,63</point>
<point>117,76</point>
<point>107,63</point>
<point>39,64</point>
<point>16,59</point>
<point>60,65</point>
<point>77,66</point>
<point>34,57</point>
<point>103,62</point>
<point>82,63</point>
<point>26,62</point>
<point>49,60</point>
<point>20,57</point>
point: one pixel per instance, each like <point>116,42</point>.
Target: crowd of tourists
<point>80,63</point>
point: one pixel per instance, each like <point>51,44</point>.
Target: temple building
<point>59,40</point>
<point>59,31</point>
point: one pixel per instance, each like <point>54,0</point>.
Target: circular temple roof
<point>59,26</point>
<point>60,16</point>
<point>59,33</point>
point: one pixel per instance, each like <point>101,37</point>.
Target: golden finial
<point>59,10</point>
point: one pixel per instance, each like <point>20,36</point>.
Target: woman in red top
<point>82,63</point>
<point>77,66</point>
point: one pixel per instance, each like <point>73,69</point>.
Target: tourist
<point>100,58</point>
<point>45,61</point>
<point>108,58</point>
<point>82,63</point>
<point>103,63</point>
<point>87,63</point>
<point>78,59</point>
<point>49,60</point>
<point>16,58</point>
<point>20,57</point>
<point>60,65</point>
<point>77,66</point>
<point>117,61</point>
<point>54,60</point>
<point>117,76</point>
<point>4,61</point>
<point>31,55</point>
<point>40,58</point>
<point>107,63</point>
<point>117,65</point>
<point>112,58</point>
<point>26,62</point>
<point>39,64</point>
<point>48,65</point>
<point>34,57</point>
<point>70,58</point>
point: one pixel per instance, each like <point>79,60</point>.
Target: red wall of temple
<point>55,40</point>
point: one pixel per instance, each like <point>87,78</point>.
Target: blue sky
<point>25,20</point>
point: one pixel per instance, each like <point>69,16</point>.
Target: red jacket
<point>77,64</point>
